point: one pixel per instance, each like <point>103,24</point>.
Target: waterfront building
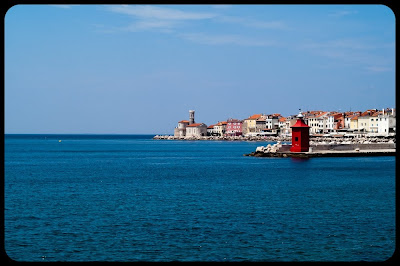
<point>338,122</point>
<point>332,120</point>
<point>317,122</point>
<point>233,127</point>
<point>180,131</point>
<point>249,124</point>
<point>289,122</point>
<point>364,120</point>
<point>354,122</point>
<point>220,128</point>
<point>281,122</point>
<point>374,121</point>
<point>196,130</point>
<point>211,131</point>
<point>387,122</point>
<point>348,116</point>
<point>261,123</point>
<point>272,121</point>
<point>283,131</point>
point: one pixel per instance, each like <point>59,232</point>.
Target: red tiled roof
<point>376,113</point>
<point>314,112</point>
<point>253,117</point>
<point>183,121</point>
<point>321,114</point>
<point>212,126</point>
<point>337,116</point>
<point>195,125</point>
<point>282,119</point>
<point>368,112</point>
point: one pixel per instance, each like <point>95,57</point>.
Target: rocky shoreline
<point>313,140</point>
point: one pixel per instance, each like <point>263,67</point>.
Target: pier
<point>327,150</point>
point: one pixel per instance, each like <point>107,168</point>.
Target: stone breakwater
<point>332,149</point>
<point>313,140</point>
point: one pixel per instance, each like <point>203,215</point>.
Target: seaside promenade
<point>313,139</point>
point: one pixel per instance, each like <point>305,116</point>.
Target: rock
<point>260,149</point>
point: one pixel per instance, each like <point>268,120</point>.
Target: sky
<point>139,69</point>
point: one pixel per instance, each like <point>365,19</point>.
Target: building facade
<point>180,131</point>
<point>220,128</point>
<point>211,131</point>
<point>387,122</point>
<point>189,128</point>
<point>272,121</point>
<point>249,124</point>
<point>196,130</point>
<point>233,127</point>
<point>365,119</point>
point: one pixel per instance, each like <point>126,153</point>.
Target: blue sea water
<point>132,198</point>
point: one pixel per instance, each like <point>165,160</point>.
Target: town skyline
<point>137,69</point>
<point>371,122</point>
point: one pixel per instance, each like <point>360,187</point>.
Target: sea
<point>127,198</point>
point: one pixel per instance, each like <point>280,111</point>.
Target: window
<point>296,139</point>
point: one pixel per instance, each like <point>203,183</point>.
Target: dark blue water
<point>131,198</point>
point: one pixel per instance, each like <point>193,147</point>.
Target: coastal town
<point>371,124</point>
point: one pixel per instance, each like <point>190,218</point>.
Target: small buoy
<point>59,140</point>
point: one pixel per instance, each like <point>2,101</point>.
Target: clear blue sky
<point>139,69</point>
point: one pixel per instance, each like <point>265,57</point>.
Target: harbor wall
<point>344,147</point>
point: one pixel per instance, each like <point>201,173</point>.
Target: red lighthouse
<point>300,135</point>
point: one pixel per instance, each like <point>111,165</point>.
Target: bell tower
<point>191,117</point>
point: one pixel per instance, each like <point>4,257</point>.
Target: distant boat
<point>59,140</point>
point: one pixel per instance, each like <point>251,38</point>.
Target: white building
<point>366,120</point>
<point>317,122</point>
<point>220,128</point>
<point>196,130</point>
<point>330,121</point>
<point>272,122</point>
<point>347,120</point>
<point>190,128</point>
<point>386,122</point>
<point>180,131</point>
<point>211,131</point>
